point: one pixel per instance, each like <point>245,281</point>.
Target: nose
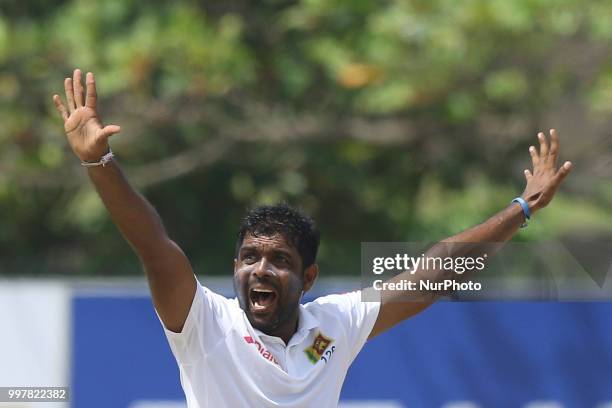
<point>263,269</point>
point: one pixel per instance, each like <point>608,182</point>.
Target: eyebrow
<point>252,248</point>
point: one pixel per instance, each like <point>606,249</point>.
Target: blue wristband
<point>525,208</point>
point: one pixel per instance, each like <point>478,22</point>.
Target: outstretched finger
<point>60,107</point>
<point>534,155</point>
<point>543,145</point>
<point>554,145</point>
<point>91,91</point>
<point>78,88</point>
<point>528,175</point>
<point>108,131</point>
<point>563,172</point>
<point>69,94</point>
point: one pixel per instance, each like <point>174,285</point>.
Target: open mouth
<point>262,299</point>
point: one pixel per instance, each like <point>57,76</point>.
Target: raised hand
<point>543,182</point>
<point>86,135</point>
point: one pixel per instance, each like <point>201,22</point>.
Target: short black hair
<point>296,227</point>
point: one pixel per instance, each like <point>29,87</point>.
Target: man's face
<point>269,280</point>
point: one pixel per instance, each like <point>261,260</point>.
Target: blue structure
<point>491,354</point>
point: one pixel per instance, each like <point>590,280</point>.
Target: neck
<point>287,329</point>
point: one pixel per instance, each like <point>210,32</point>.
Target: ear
<point>310,276</point>
<point>235,264</point>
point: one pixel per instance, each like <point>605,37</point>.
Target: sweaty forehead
<point>268,242</point>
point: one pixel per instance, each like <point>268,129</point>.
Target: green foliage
<point>389,120</point>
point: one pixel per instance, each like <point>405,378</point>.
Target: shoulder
<point>336,305</point>
<point>353,313</point>
<point>212,312</point>
<point>336,300</point>
<point>218,303</point>
<point>351,307</point>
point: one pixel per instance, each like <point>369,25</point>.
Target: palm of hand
<point>86,135</point>
<point>83,129</point>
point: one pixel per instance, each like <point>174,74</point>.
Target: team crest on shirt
<point>318,347</point>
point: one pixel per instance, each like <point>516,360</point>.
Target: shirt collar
<point>307,320</point>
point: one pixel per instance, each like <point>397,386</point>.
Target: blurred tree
<point>390,120</point>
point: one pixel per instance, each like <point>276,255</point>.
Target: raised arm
<point>541,187</point>
<point>168,270</point>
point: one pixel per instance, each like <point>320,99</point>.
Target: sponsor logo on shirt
<point>262,350</point>
<point>316,351</point>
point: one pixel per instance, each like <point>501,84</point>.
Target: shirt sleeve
<point>357,315</point>
<point>209,319</point>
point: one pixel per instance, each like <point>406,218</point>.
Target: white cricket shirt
<point>225,362</point>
